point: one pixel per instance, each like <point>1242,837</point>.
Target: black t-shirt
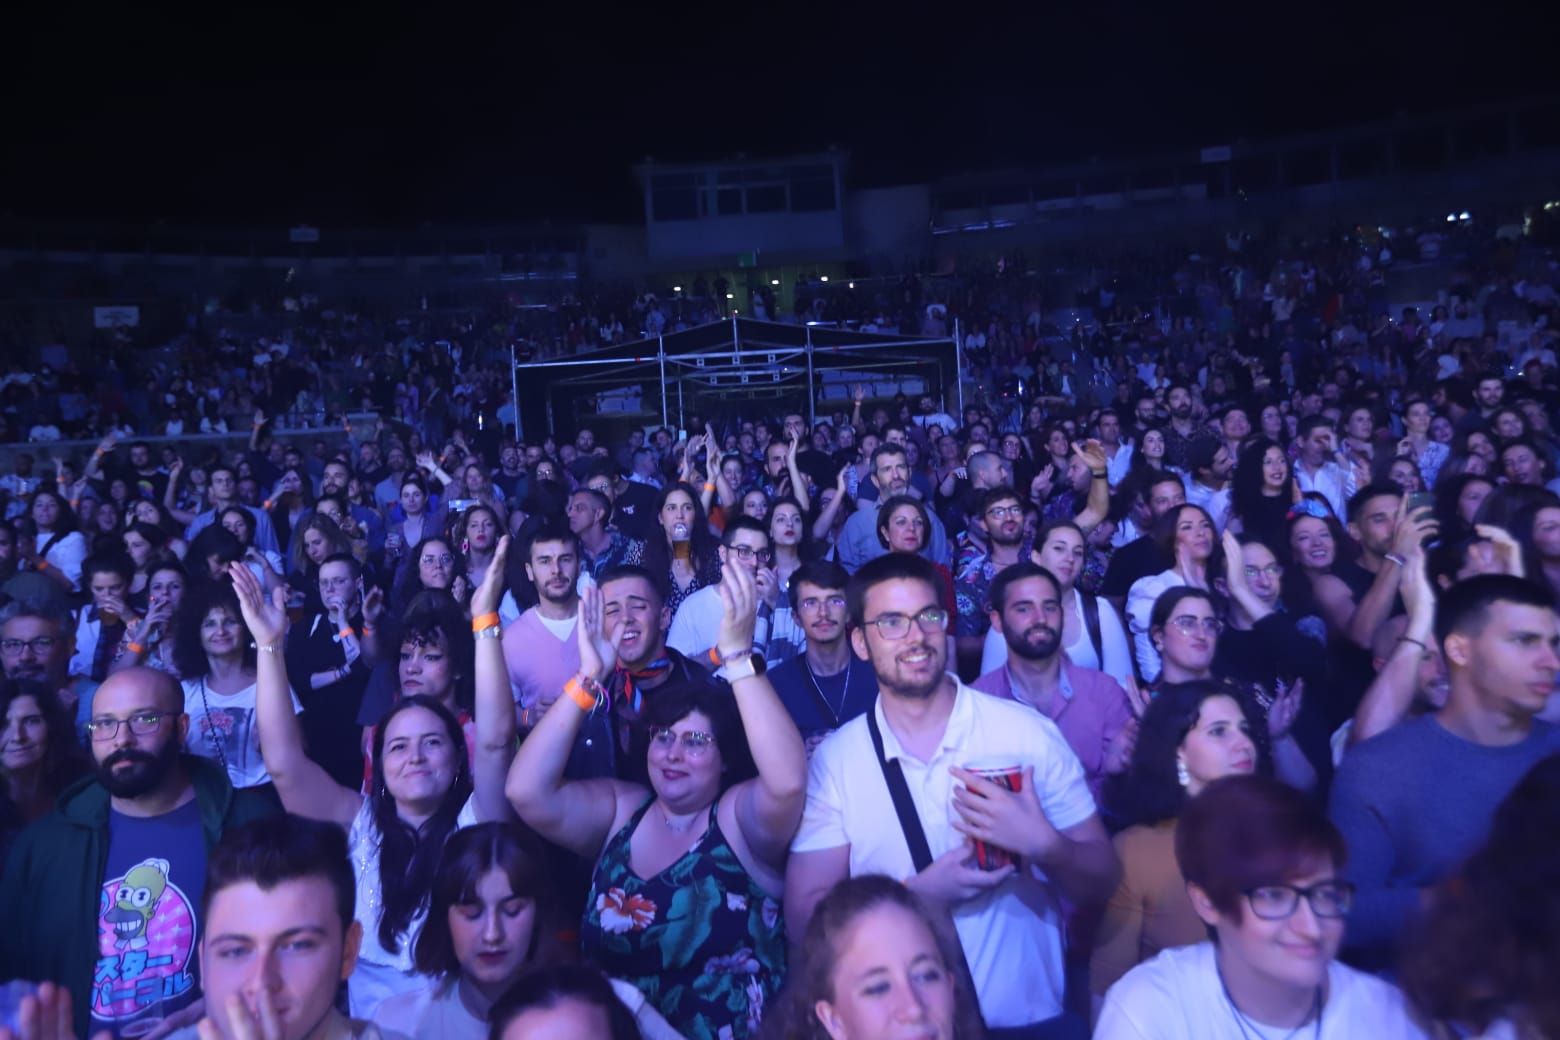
<point>1139,558</point>
<point>330,727</point>
<point>820,704</point>
<point>633,510</point>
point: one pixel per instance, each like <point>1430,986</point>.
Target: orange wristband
<point>483,622</point>
<point>344,633</point>
<point>576,693</point>
<point>135,648</point>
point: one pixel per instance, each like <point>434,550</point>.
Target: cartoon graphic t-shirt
<point>147,927</point>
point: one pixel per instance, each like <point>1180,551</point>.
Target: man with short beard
<point>36,642</point>
<point>930,727</point>
<point>1088,706</point>
<point>1184,431</point>
<point>540,647</point>
<point>103,894</point>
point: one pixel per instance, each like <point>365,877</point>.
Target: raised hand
<point>1285,709</point>
<point>739,598</point>
<point>374,604</point>
<point>1040,487</point>
<point>486,599</point>
<point>598,654</point>
<point>267,620</point>
<point>1092,453</point>
<point>1508,554</point>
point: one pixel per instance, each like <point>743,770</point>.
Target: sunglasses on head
<point>1309,507</point>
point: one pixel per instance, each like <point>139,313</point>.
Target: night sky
<point>374,118</point>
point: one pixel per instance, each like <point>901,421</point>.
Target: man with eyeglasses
<point>927,726</point>
<point>697,623</point>
<point>329,662</point>
<point>103,894</point>
<point>36,642</point>
<point>827,685</point>
<point>1003,514</point>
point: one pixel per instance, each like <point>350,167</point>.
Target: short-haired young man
<point>1416,801</point>
<point>827,685</point>
<point>280,934</point>
<point>541,648</point>
<point>932,725</point>
<point>745,543</point>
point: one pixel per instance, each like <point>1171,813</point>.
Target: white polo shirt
<point>1012,936</point>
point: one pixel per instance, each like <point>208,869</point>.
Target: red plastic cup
<point>999,771</point>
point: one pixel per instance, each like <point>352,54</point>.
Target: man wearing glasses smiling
<point>924,730</point>
<point>697,622</point>
<point>103,894</point>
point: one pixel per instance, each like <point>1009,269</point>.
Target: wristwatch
<point>744,667</point>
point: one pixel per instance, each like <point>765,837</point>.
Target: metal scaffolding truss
<point>739,359</point>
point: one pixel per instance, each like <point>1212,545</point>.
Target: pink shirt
<point>1090,710</point>
<point>539,662</point>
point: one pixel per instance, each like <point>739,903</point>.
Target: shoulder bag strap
<point>899,791</point>
<point>1091,621</point>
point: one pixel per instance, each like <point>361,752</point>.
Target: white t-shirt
<point>1177,996</point>
<point>223,728</point>
<point>1012,936</point>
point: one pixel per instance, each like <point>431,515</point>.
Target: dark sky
<point>368,117</point>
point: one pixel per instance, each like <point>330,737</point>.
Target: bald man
<point>103,894</point>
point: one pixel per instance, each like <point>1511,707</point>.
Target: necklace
<point>834,713</point>
<point>1242,1021</point>
<point>673,827</point>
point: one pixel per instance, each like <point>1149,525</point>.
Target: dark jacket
<point>613,740</point>
<point>49,895</point>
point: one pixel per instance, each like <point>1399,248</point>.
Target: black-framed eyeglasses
<point>933,621</point>
<point>1272,570</point>
<point>141,724</point>
<point>1329,899</point>
<point>746,553</point>
<point>1003,512</point>
<point>40,645</point>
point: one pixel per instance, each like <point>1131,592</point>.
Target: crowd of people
<point>1206,693</point>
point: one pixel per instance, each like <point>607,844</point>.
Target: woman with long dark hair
<point>1186,534</point>
<point>1262,491</point>
<point>422,788</point>
<point>1192,734</point>
<point>57,549</point>
<point>683,554</point>
<point>39,754</point>
<point>154,640</point>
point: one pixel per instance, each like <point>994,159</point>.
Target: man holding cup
<point>914,811</point>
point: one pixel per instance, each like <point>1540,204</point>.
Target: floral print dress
<point>701,940</point>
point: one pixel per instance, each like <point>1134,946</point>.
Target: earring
<point>465,547</point>
<point>1182,777</point>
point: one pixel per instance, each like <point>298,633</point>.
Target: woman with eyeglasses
<point>685,898</point>
<point>1192,734</point>
<point>423,785</point>
<point>432,564</point>
<point>1262,867</point>
<point>1185,534</point>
